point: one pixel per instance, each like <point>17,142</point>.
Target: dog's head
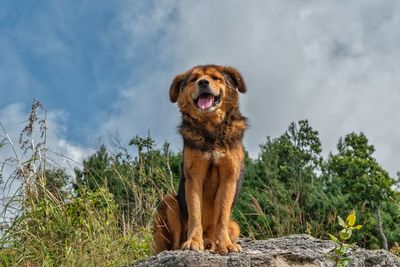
<point>207,91</point>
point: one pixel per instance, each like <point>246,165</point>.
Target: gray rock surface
<point>294,250</point>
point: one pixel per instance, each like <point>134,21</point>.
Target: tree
<point>293,158</point>
<point>354,172</point>
<point>278,183</point>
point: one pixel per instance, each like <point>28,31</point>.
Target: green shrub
<point>77,231</point>
<point>290,189</point>
<point>55,226</point>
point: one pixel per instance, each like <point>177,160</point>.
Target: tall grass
<point>56,226</point>
<point>272,214</point>
<point>77,231</point>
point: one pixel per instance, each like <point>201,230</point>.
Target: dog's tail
<point>167,226</point>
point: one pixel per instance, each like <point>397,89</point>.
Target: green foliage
<point>136,183</point>
<point>355,173</point>
<point>343,247</point>
<point>55,182</point>
<point>105,218</point>
<point>290,189</point>
<point>57,227</point>
<point>279,185</point>
<point>78,231</point>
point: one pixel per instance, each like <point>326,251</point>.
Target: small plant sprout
<point>345,234</point>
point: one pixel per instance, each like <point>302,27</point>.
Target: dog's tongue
<point>205,101</point>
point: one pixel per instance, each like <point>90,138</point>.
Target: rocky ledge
<point>294,250</point>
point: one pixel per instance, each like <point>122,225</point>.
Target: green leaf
<point>333,238</point>
<point>338,251</point>
<point>347,246</point>
<point>358,227</point>
<point>345,234</point>
<point>343,262</point>
<point>351,219</point>
<point>342,222</point>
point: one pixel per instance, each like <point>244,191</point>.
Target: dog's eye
<point>193,80</point>
<point>215,78</point>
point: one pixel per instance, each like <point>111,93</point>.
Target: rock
<point>294,250</point>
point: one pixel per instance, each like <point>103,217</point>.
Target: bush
<point>58,227</point>
<point>76,231</point>
<point>290,189</point>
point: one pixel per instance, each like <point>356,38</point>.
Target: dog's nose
<point>203,83</point>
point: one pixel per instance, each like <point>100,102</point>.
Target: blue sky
<point>102,67</point>
<point>72,55</point>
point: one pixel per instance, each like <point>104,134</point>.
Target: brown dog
<point>212,128</point>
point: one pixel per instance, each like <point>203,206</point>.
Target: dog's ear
<point>176,87</point>
<point>236,78</point>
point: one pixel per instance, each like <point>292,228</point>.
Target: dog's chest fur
<point>210,138</point>
<point>213,156</point>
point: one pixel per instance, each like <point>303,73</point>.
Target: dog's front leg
<point>195,230</point>
<point>229,174</point>
<point>195,169</point>
<point>224,202</point>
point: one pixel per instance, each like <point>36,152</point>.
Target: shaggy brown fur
<point>212,128</point>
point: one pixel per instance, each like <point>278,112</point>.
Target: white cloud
<point>70,154</point>
<point>61,153</point>
<point>141,108</point>
<point>334,63</point>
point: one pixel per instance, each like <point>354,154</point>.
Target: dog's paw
<point>233,247</point>
<point>193,244</point>
<point>224,247</point>
<point>210,245</point>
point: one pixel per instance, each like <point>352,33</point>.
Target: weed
<point>343,247</point>
<point>58,227</point>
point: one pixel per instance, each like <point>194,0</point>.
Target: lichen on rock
<point>293,250</point>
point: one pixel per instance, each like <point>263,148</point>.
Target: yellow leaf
<point>351,219</point>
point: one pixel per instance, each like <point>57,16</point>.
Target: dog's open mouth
<point>206,101</point>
